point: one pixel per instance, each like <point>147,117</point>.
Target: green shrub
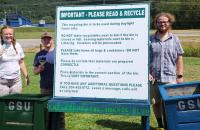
<point>191,51</point>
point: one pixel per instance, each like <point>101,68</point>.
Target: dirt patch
<point>188,38</point>
<point>34,50</point>
<point>193,41</point>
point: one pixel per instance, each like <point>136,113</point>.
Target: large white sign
<point>102,52</point>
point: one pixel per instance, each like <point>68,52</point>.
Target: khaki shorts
<point>155,96</point>
<point>10,86</point>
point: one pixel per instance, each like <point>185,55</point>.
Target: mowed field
<point>189,37</point>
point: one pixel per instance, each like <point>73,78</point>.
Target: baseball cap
<point>46,34</point>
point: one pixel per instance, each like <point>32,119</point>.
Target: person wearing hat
<point>44,65</point>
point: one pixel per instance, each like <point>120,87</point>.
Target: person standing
<point>11,62</point>
<point>44,65</point>
<point>166,61</point>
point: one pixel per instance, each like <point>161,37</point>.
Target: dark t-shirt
<point>46,76</point>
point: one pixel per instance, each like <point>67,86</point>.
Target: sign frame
<point>98,105</point>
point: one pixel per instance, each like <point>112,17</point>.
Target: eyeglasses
<point>161,22</point>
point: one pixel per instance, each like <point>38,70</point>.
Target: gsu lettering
<point>19,105</point>
<point>190,104</point>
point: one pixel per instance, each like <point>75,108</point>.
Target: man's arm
<point>179,69</point>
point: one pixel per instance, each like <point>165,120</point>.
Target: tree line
<point>187,12</point>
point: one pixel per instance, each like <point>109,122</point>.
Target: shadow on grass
<point>120,125</point>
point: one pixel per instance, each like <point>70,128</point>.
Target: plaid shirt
<point>163,57</point>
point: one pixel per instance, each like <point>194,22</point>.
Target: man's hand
<point>179,80</point>
<point>151,79</point>
<point>40,68</point>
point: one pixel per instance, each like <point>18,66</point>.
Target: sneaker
<point>160,129</point>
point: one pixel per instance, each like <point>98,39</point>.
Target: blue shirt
<point>46,76</point>
<point>163,57</point>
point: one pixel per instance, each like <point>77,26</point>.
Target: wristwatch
<point>179,76</point>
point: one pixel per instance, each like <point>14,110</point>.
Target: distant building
<point>1,22</point>
<point>41,23</point>
<point>16,20</point>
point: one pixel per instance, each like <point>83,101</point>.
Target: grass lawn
<point>77,121</point>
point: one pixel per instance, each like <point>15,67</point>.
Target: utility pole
<point>5,23</point>
<point>104,2</point>
<point>16,12</point>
